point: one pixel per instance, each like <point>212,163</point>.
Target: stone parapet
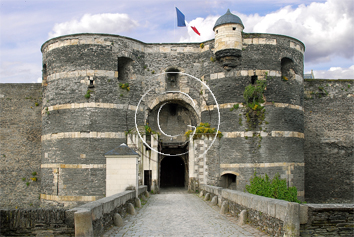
<point>276,217</point>
<point>92,218</point>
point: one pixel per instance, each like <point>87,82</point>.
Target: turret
<point>228,39</point>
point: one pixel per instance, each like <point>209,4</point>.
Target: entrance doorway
<point>172,172</point>
<point>228,181</point>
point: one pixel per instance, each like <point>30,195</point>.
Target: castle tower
<point>267,138</point>
<point>85,110</point>
<point>228,39</point>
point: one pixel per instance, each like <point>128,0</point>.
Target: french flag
<point>182,23</point>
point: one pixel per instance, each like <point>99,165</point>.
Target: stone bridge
<point>175,212</point>
<point>214,211</point>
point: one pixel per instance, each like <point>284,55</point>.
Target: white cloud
<point>204,27</point>
<point>335,73</point>
<point>98,23</point>
<point>327,29</point>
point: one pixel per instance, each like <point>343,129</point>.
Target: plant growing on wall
<point>203,129</point>
<point>124,86</point>
<point>34,178</point>
<point>253,109</point>
<point>275,188</point>
<point>88,94</point>
<point>235,107</point>
<point>149,131</point>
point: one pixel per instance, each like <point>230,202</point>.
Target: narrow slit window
<point>233,28</point>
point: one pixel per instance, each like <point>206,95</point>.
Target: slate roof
<point>122,150</point>
<point>227,18</point>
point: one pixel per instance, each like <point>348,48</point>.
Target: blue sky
<point>325,26</point>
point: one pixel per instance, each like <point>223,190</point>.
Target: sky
<point>326,27</point>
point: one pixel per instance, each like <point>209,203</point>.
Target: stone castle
<point>100,91</point>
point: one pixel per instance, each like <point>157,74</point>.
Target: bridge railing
<point>276,217</point>
<point>91,219</point>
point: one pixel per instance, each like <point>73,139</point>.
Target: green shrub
<point>203,129</point>
<point>275,188</point>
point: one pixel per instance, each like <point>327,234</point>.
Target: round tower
<point>228,39</point>
<point>85,109</point>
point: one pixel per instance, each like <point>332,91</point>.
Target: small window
<point>233,28</point>
<point>254,79</point>
<point>91,82</point>
<point>44,74</point>
<point>217,31</point>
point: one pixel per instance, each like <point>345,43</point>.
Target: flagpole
<point>174,24</point>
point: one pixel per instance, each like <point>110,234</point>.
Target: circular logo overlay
<point>155,90</point>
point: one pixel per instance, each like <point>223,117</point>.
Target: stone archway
<point>172,119</point>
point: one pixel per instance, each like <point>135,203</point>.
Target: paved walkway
<point>174,212</point>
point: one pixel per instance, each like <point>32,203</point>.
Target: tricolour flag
<point>180,18</point>
<point>195,30</point>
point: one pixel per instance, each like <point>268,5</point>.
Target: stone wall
<point>329,220</point>
<point>20,144</point>
<point>63,222</point>
<point>329,141</point>
<point>273,216</point>
<point>35,222</point>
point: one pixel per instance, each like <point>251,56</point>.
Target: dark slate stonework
<point>329,220</point>
<point>34,222</point>
<point>20,144</point>
<point>329,145</point>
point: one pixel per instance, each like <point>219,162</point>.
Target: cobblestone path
<point>175,212</point>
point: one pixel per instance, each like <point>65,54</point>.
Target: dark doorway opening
<point>228,181</point>
<point>147,179</point>
<point>172,172</point>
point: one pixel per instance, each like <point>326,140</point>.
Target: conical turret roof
<point>228,18</point>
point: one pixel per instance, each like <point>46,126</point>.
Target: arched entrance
<point>173,172</point>
<point>228,181</point>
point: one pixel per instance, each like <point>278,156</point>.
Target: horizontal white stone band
<point>259,41</point>
<point>231,105</point>
<point>297,47</point>
<point>54,136</point>
<point>245,73</point>
<point>67,42</point>
<point>264,134</point>
<point>260,165</point>
<point>174,49</point>
<point>74,166</point>
<point>90,105</point>
<point>70,198</point>
<point>82,73</point>
<point>148,48</point>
